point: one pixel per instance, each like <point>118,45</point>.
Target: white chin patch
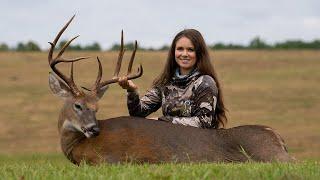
<point>88,134</point>
<point>70,126</point>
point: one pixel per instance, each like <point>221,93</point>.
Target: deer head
<point>79,110</point>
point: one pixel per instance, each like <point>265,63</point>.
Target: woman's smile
<point>185,61</point>
<point>185,55</point>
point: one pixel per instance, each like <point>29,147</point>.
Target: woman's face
<point>185,55</point>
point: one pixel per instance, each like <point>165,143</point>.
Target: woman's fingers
<point>120,81</point>
<point>123,82</point>
<point>127,84</point>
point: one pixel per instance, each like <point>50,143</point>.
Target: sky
<point>155,23</point>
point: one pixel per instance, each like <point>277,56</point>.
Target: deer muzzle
<point>91,131</point>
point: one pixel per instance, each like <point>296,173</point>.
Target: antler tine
<point>132,58</point>
<point>53,44</point>
<point>66,45</point>
<point>140,69</point>
<point>58,59</point>
<point>71,73</point>
<point>115,79</point>
<point>99,76</point>
<point>136,75</point>
<point>120,57</point>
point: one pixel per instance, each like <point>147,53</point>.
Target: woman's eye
<point>77,106</point>
<point>190,50</point>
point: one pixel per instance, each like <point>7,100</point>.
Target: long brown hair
<point>203,64</point>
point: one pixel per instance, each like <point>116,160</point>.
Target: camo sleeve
<point>148,104</point>
<point>204,104</point>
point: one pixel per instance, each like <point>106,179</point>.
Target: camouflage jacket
<point>188,100</point>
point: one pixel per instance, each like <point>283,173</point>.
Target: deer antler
<point>58,59</point>
<point>115,78</point>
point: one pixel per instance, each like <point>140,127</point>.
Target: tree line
<point>258,43</point>
<point>255,43</point>
<point>32,46</point>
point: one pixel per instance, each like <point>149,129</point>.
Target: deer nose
<point>95,130</point>
<point>91,130</point>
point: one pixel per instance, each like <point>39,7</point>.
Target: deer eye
<point>77,107</point>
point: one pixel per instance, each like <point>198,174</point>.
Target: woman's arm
<point>148,104</point>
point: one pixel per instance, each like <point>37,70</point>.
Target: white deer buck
<point>134,139</point>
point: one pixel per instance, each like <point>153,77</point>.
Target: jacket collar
<point>183,80</point>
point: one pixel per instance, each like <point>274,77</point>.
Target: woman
<point>187,90</point>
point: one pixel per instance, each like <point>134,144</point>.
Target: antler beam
<point>58,59</point>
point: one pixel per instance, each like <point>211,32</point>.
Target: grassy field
<point>52,166</point>
<point>275,88</point>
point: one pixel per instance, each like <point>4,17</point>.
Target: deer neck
<point>69,136</point>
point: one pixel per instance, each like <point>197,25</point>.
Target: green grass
<point>54,166</point>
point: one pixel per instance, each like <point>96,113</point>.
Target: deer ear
<point>58,87</point>
<point>101,91</point>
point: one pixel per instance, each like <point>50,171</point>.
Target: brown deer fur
<point>133,139</point>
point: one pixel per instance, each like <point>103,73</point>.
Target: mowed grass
<point>275,88</point>
<point>52,166</point>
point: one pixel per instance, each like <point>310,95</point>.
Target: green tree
<point>257,43</point>
<point>115,47</point>
<point>32,46</point>
<point>315,44</point>
<point>226,46</point>
<point>4,47</point>
<point>298,44</point>
<point>29,46</point>
<point>164,48</point>
<point>218,46</point>
<point>128,46</point>
<point>20,47</point>
<point>93,47</point>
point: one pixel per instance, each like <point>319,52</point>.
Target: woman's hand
<point>127,84</point>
